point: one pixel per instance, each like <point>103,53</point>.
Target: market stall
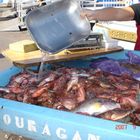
<point>73,87</point>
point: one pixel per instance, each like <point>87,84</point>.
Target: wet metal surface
<point>57,26</point>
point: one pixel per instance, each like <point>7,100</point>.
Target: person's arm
<point>109,14</point>
<point>136,9</point>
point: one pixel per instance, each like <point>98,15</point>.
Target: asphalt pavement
<point>9,33</point>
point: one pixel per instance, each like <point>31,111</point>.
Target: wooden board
<point>34,58</point>
<point>19,56</point>
<point>123,35</point>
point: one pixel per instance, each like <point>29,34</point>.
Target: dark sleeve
<point>136,8</point>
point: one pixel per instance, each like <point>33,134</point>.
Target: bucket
<point>57,26</point>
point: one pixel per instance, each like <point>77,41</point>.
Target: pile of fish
<point>91,92</point>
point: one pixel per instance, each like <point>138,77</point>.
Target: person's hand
<point>87,13</point>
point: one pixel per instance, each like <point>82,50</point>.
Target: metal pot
<point>58,25</point>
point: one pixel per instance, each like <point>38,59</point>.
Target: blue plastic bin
<point>42,123</point>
